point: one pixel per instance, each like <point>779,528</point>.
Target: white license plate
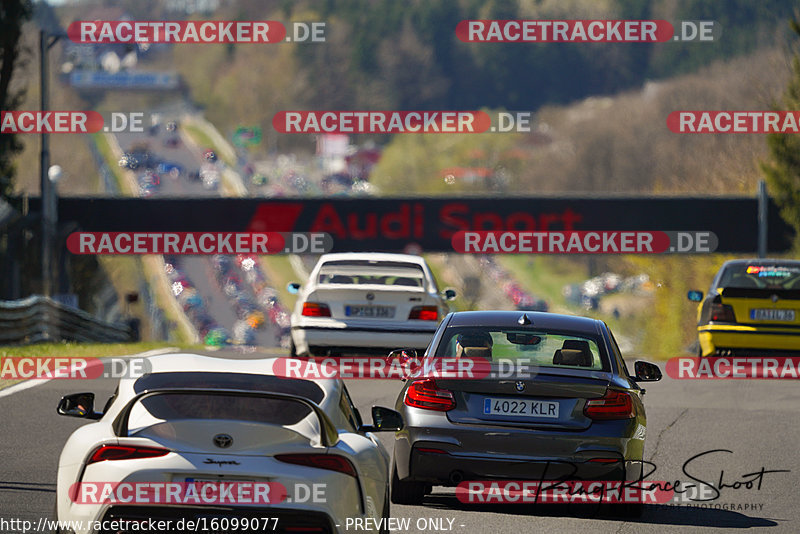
<point>200,482</point>
<point>381,312</point>
<point>766,314</point>
<point>520,407</point>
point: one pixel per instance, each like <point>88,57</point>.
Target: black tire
<point>406,492</point>
<point>386,514</point>
<point>631,510</point>
<point>292,349</point>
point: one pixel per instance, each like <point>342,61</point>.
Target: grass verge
<point>437,269</point>
<point>279,271</point>
<point>153,268</point>
<point>125,274</point>
<point>107,152</point>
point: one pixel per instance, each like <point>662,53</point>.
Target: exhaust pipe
<point>456,477</point>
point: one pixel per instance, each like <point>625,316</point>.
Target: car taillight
<point>315,309</point>
<point>124,452</point>
<point>613,405</point>
<point>424,313</point>
<point>427,395</point>
<point>722,312</point>
<point>429,450</point>
<point>331,462</point>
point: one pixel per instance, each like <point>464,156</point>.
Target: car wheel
<point>292,349</point>
<point>406,492</point>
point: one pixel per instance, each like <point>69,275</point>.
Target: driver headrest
<point>477,352</point>
<point>475,339</point>
<point>576,344</point>
<point>574,357</point>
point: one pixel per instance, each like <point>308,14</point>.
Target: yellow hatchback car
<point>751,309</point>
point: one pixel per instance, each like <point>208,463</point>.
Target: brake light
<point>613,405</point>
<point>124,452</point>
<point>426,395</point>
<point>722,312</point>
<point>331,462</point>
<point>429,450</point>
<point>315,309</point>
<point>424,313</point>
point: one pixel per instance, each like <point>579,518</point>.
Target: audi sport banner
<point>434,223</point>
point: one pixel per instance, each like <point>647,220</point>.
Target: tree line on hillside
<point>384,54</point>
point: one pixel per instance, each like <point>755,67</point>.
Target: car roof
<point>372,256</point>
<point>544,320</point>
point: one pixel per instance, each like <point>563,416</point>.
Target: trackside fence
<point>35,319</point>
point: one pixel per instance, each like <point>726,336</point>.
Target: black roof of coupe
<point>538,320</point>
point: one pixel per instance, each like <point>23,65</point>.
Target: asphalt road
<point>197,268</point>
<point>756,420</point>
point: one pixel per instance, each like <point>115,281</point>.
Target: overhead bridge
<point>428,224</point>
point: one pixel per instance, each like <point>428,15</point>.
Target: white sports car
<point>220,445</point>
<point>365,302</point>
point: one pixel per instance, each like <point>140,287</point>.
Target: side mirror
<point>293,287</point>
<point>449,294</point>
<point>695,296</point>
<point>646,371</point>
<point>78,405</point>
<point>384,420</point>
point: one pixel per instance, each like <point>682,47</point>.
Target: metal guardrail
<point>36,318</point>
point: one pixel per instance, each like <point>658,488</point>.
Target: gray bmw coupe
<point>558,404</point>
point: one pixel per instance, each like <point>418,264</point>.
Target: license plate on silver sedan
<point>380,312</point>
<point>768,314</point>
<point>520,407</point>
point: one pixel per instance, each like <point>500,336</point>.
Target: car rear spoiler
<point>328,434</point>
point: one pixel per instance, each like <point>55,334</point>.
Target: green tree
<point>13,14</point>
<point>782,170</point>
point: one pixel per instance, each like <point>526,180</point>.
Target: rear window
<point>202,406</point>
<point>761,276</point>
<point>388,273</point>
<point>249,382</point>
<point>535,348</point>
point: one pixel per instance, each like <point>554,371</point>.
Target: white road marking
<point>27,384</point>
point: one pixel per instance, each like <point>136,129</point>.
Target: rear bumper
<point>724,337</point>
<point>337,334</point>
<point>341,496</point>
<point>450,469</point>
<point>495,452</point>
